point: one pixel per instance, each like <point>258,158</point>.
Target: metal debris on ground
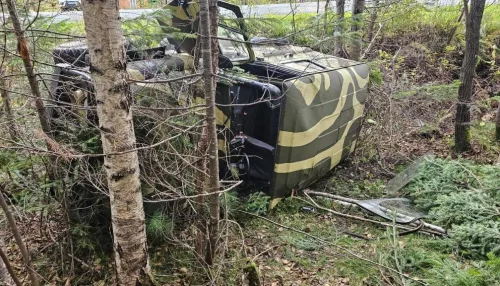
<point>399,210</point>
<point>403,178</point>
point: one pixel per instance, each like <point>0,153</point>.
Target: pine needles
<point>463,197</point>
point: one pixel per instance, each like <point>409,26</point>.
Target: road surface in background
<point>248,11</point>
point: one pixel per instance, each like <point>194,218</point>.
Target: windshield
<point>231,39</point>
<point>232,44</point>
<point>228,18</point>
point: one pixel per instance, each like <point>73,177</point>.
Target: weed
<point>84,240</point>
<point>454,274</point>
<point>182,143</point>
<point>158,227</point>
<point>135,29</point>
<point>301,242</point>
<point>359,272</point>
<point>375,74</point>
<point>483,133</point>
<point>257,203</point>
<point>230,203</point>
<point>357,189</point>
<point>478,238</point>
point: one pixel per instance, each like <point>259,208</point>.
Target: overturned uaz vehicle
<point>286,115</point>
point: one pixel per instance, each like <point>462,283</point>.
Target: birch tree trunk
<point>473,19</point>
<point>209,52</point>
<point>114,101</point>
<point>339,27</point>
<point>357,23</point>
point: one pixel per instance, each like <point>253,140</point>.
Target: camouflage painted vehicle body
<point>319,123</point>
<point>286,115</point>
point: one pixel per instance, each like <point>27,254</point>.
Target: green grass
<point>457,260</point>
<point>437,92</point>
<point>483,133</point>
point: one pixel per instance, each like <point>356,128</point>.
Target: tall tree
<point>357,20</point>
<point>373,19</point>
<point>24,53</point>
<point>114,109</point>
<point>339,27</point>
<point>209,53</point>
<point>473,17</point>
<point>201,185</point>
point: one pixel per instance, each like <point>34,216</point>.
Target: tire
<point>73,53</point>
<point>76,53</point>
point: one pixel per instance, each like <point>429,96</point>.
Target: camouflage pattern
<point>223,122</point>
<point>320,113</point>
<point>187,12</point>
<point>321,110</point>
<point>289,54</point>
<point>148,92</point>
<point>320,120</point>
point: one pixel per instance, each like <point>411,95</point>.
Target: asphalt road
<point>248,11</point>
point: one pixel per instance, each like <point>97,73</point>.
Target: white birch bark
<point>114,100</point>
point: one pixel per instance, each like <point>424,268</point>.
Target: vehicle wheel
<point>72,53</point>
